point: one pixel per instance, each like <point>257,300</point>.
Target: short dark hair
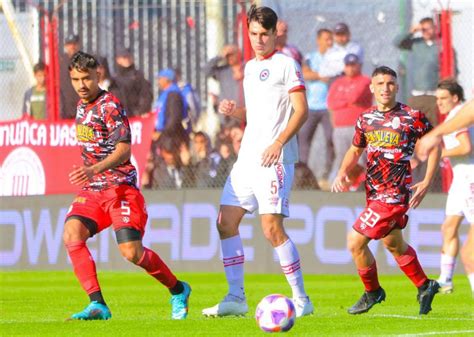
<point>82,61</point>
<point>427,20</point>
<point>264,16</point>
<point>453,87</point>
<point>40,66</point>
<point>322,31</point>
<point>384,70</point>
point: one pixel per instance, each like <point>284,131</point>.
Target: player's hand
<point>427,143</point>
<point>420,189</point>
<point>227,107</point>
<point>80,175</point>
<point>271,155</point>
<point>415,28</point>
<point>340,184</point>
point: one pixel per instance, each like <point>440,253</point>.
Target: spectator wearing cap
<point>68,97</point>
<point>334,60</point>
<point>136,92</point>
<point>227,69</point>
<point>316,92</point>
<point>191,96</point>
<point>171,108</point>
<point>349,95</point>
<point>424,72</point>
<point>282,43</point>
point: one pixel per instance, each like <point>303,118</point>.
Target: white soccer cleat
<point>303,306</point>
<point>445,287</point>
<point>230,306</point>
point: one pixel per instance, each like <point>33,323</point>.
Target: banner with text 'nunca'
<point>37,156</point>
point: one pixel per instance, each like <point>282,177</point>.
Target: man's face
<point>445,101</point>
<point>428,31</point>
<point>163,83</point>
<point>282,33</point>
<point>71,48</point>
<point>124,61</point>
<point>385,88</point>
<point>200,143</point>
<point>261,39</point>
<point>342,38</point>
<point>352,69</point>
<point>324,41</point>
<point>40,77</point>
<point>85,83</point>
<point>168,157</point>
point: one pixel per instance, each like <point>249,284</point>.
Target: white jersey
<point>267,87</point>
<point>450,141</point>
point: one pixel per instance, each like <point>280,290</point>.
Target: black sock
<point>177,289</point>
<point>97,296</point>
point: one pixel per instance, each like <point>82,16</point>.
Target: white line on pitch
<point>426,318</point>
<point>434,333</point>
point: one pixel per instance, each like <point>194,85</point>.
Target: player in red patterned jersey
<point>109,194</point>
<point>388,132</point>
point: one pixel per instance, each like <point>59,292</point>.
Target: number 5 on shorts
<point>125,207</point>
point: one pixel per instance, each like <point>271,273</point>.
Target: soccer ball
<point>275,313</point>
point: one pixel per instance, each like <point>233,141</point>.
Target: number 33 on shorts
<point>369,218</point>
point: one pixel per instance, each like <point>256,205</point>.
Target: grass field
<point>37,303</point>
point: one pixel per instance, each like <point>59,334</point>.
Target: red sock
<point>84,266</point>
<point>151,262</point>
<point>409,264</point>
<point>369,277</point>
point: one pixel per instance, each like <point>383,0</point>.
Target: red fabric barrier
<point>37,156</point>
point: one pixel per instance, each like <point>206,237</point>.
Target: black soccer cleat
<point>426,294</point>
<point>367,301</point>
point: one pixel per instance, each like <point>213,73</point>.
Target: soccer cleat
<point>367,301</point>
<point>425,297</point>
<point>94,311</point>
<point>303,307</point>
<point>230,306</point>
<point>445,287</point>
<point>180,303</point>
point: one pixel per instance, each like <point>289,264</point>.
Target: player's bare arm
<point>420,189</point>
<point>348,163</point>
<point>464,118</point>
<point>300,114</point>
<point>311,75</point>
<point>229,108</point>
<point>80,175</point>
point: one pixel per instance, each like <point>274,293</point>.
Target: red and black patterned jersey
<point>100,125</point>
<point>389,138</point>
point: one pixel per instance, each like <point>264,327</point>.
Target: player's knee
<point>353,245</point>
<point>73,232</point>
<point>130,253</point>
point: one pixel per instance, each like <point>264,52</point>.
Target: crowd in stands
<point>183,155</point>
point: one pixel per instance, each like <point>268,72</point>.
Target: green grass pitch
<point>37,303</point>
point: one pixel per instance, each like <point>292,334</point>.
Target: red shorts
<point>378,219</point>
<point>121,207</point>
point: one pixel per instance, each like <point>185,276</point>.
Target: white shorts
<point>461,193</point>
<point>254,186</point>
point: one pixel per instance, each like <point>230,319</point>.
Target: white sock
<point>471,281</point>
<point>448,263</point>
<point>233,259</point>
<point>290,265</point>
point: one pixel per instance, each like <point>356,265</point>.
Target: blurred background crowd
<point>178,59</point>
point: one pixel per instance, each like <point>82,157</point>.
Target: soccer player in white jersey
<point>460,203</point>
<point>275,109</point>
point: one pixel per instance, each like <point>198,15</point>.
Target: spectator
<point>425,66</point>
<point>282,45</point>
<point>236,135</point>
<point>304,178</point>
<point>137,93</point>
<point>34,100</point>
<point>316,92</point>
<point>205,162</point>
<point>228,159</point>
<point>191,97</point>
<point>67,94</point>
<point>348,97</point>
<point>168,170</point>
<point>334,59</point>
<point>171,108</point>
<point>106,81</point>
<point>227,69</point>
